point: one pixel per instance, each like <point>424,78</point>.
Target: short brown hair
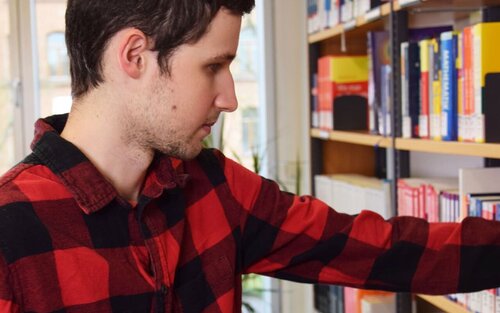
<point>90,24</point>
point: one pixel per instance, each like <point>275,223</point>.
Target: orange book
<point>343,89</point>
<point>468,84</point>
<point>324,92</point>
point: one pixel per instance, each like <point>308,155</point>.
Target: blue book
<point>379,55</point>
<point>449,96</point>
<point>384,114</point>
<point>326,14</point>
<point>497,212</point>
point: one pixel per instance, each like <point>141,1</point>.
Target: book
<point>474,181</point>
<point>348,92</point>
<point>468,84</point>
<point>410,76</point>
<point>486,78</point>
<point>378,55</point>
<point>460,88</point>
<point>328,299</point>
<point>384,112</point>
<point>334,16</point>
<point>312,16</point>
<point>314,102</point>
<point>352,193</point>
<point>325,93</point>
<point>346,10</point>
<point>435,90</point>
<point>423,121</point>
<point>429,198</point>
<point>405,106</point>
<point>449,54</point>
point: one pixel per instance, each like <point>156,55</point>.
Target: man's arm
<point>7,303</point>
<point>302,239</point>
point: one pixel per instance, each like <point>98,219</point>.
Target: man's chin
<point>185,154</point>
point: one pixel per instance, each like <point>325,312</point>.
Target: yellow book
<point>349,69</point>
<point>435,121</point>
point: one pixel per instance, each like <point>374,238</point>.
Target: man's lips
<point>208,127</point>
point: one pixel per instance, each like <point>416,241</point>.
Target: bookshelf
<point>485,150</point>
<point>444,304</point>
<point>338,151</point>
<point>359,138</point>
<point>368,20</point>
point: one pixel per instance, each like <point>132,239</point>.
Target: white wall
<point>440,165</point>
<point>291,90</point>
<point>292,126</point>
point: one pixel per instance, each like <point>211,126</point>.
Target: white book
<point>476,180</point>
<point>323,188</point>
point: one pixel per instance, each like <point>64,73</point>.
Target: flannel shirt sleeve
<point>7,303</point>
<point>302,239</point>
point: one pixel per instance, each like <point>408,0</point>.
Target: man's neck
<point>100,137</point>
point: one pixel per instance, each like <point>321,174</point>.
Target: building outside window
<point>7,154</point>
<point>53,69</point>
<point>241,128</point>
<point>57,56</point>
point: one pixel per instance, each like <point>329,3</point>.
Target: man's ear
<point>133,52</point>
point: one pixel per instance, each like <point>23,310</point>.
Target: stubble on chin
<point>180,149</point>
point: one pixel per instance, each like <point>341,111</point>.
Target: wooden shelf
<point>443,4</point>
<point>360,138</point>
<point>487,150</point>
<point>367,18</point>
<point>444,304</point>
<point>385,10</point>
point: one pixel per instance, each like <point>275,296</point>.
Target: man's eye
<point>214,68</point>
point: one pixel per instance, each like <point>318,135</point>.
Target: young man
<point>118,208</point>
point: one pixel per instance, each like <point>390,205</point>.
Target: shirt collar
<point>87,185</point>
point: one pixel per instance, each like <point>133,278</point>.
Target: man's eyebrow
<point>223,57</point>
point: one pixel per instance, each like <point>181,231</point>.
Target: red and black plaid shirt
<point>69,243</point>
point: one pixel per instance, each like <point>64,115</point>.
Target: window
<point>57,55</point>
<point>7,145</point>
<point>250,130</point>
<point>53,65</point>
<point>241,128</point>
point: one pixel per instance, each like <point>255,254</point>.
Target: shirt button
<point>163,290</point>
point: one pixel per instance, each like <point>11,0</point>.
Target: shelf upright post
<point>316,145</point>
<point>397,161</point>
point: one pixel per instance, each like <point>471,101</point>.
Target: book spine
<point>405,99</point>
<point>334,13</point>
<point>477,117</point>
<point>330,93</point>
<point>386,98</point>
<point>414,86</point>
<point>488,80</point>
<point>372,101</point>
<point>468,84</point>
<point>449,86</point>
<point>460,88</point>
<point>314,100</point>
<point>423,121</point>
<point>322,91</point>
<point>436,91</point>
